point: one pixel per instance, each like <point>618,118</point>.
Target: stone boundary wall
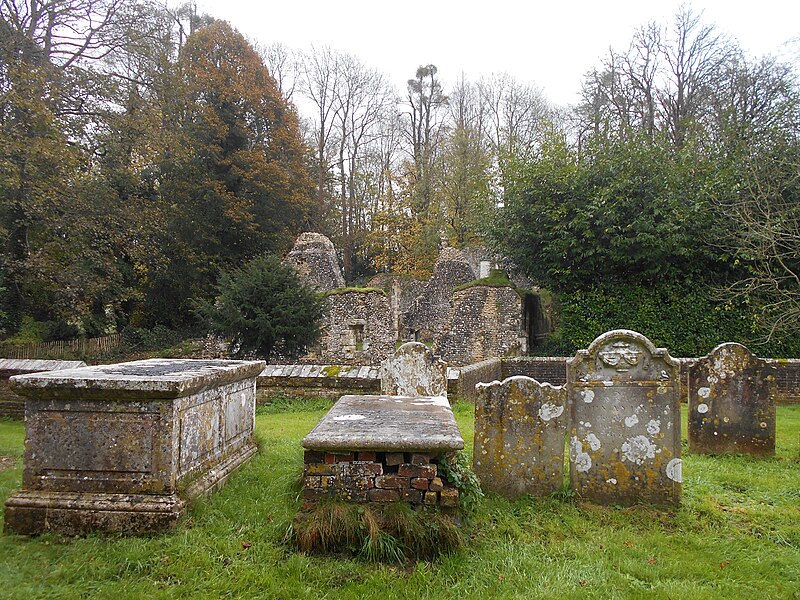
<point>481,372</point>
<point>327,381</point>
<point>553,369</point>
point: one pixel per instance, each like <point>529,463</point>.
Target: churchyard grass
<point>736,535</point>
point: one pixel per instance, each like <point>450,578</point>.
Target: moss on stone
<point>346,290</point>
<point>331,371</point>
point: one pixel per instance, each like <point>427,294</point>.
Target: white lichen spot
<point>702,408</point>
<point>653,426</point>
<point>631,421</point>
<point>550,411</point>
<point>588,396</point>
<point>587,425</point>
<point>575,447</point>
<point>593,441</point>
<point>608,383</point>
<point>349,418</point>
<point>583,462</point>
<point>704,392</point>
<point>638,449</point>
<point>612,481</point>
<point>675,470</point>
<point>726,420</point>
<point>763,425</point>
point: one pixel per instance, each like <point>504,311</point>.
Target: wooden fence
<point>62,348</point>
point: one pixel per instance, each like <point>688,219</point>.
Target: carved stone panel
<point>732,403</point>
<point>520,426</point>
<point>624,441</point>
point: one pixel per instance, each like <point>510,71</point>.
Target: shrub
<point>263,307</point>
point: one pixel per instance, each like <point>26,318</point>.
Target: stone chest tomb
<point>122,447</point>
<point>382,449</point>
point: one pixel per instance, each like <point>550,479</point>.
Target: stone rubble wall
<point>427,318</point>
<point>356,329</point>
<point>483,321</point>
<point>376,477</point>
<point>313,258</point>
<point>401,290</point>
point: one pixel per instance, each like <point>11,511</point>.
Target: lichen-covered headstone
<point>624,441</point>
<point>732,403</point>
<point>520,426</point>
<point>413,370</point>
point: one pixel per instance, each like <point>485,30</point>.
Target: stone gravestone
<point>123,447</point>
<point>413,370</point>
<point>520,426</point>
<point>625,435</point>
<point>732,403</point>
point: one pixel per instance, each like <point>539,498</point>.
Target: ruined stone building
<point>464,324</point>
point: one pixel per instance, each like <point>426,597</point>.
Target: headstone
<point>313,257</point>
<point>625,435</point>
<point>520,426</point>
<point>123,447</point>
<point>413,370</point>
<point>732,403</point>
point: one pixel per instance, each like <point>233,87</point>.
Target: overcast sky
<point>550,44</point>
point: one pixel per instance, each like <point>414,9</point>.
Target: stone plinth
<point>732,403</point>
<point>13,405</point>
<point>414,370</point>
<point>624,443</point>
<point>122,447</point>
<point>520,426</point>
<point>382,449</point>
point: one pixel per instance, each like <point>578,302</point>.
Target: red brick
<point>414,496</point>
<point>420,483</point>
<point>383,495</point>
<point>448,497</point>
<point>436,484</point>
<point>310,456</point>
<point>367,456</point>
<point>409,470</point>
<point>420,459</point>
<point>347,457</point>
<point>391,482</point>
<point>330,458</point>
<point>394,458</point>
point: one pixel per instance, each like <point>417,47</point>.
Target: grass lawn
<point>736,535</point>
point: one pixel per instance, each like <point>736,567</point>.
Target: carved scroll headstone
<point>624,440</point>
<point>520,425</point>
<point>732,403</point>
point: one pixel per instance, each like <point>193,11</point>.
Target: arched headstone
<point>413,370</point>
<point>732,403</point>
<point>520,425</point>
<point>624,443</point>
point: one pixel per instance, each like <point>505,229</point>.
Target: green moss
<point>331,371</point>
<point>496,278</point>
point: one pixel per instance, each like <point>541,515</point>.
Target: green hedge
<point>685,320</point>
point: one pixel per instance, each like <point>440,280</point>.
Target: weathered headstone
<point>520,426</point>
<point>413,370</point>
<point>625,443</point>
<point>123,447</point>
<point>732,403</point>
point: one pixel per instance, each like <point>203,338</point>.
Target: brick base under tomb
<point>376,477</point>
